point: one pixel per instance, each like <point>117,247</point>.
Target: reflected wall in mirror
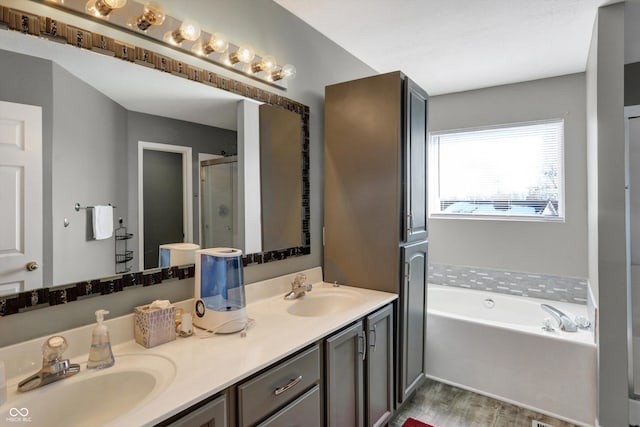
<point>92,125</point>
<point>280,179</point>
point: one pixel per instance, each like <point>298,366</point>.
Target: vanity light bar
<point>151,21</point>
<point>58,31</point>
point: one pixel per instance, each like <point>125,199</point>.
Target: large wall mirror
<point>179,161</point>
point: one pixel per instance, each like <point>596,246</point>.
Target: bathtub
<point>498,348</point>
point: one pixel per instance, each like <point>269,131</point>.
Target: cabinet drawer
<point>302,412</point>
<point>272,390</point>
<point>212,414</point>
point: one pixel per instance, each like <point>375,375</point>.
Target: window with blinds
<point>512,171</point>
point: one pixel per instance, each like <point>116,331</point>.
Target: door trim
<point>630,112</point>
<point>187,191</point>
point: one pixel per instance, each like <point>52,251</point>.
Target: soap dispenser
<point>100,354</point>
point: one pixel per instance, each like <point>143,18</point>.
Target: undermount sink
<point>323,302</point>
<point>94,398</point>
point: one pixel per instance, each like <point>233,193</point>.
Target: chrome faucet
<point>298,288</point>
<point>564,322</point>
<point>54,368</point>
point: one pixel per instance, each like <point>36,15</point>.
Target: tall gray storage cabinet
<point>375,203</point>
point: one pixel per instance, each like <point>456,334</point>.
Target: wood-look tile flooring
<point>442,405</point>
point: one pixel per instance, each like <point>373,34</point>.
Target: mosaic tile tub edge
<point>545,286</point>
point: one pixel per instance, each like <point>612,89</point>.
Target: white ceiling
<point>456,45</point>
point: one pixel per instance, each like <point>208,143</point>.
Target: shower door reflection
<point>219,202</point>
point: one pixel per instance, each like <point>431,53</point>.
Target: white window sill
<point>493,217</point>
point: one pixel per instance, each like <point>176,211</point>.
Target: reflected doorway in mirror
<point>164,198</point>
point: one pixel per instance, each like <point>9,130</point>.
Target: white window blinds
<point>514,170</point>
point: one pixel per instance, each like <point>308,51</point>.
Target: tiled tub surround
<point>543,286</point>
<point>204,367</point>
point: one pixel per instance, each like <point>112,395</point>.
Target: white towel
<point>102,222</point>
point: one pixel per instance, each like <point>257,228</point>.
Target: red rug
<point>412,422</point>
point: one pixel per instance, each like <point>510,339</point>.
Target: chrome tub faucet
<point>298,288</point>
<point>564,322</point>
<point>54,368</point>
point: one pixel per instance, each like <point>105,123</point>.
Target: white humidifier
<point>175,254</point>
<point>219,291</point>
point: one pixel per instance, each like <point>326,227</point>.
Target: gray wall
<point>319,62</point>
<point>536,247</point>
<point>607,234</point>
<point>90,168</point>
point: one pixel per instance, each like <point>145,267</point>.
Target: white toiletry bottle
<point>100,354</point>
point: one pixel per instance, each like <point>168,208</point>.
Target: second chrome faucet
<point>298,288</point>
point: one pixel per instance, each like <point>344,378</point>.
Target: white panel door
<point>20,197</point>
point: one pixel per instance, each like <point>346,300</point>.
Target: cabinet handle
<point>286,387</point>
<point>363,335</point>
<point>372,341</point>
<point>408,276</point>
<point>410,220</point>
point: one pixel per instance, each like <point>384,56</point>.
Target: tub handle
<point>372,341</point>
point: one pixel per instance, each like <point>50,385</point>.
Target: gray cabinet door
<point>212,414</point>
<point>379,367</point>
<point>415,162</point>
<point>412,318</point>
<point>344,354</point>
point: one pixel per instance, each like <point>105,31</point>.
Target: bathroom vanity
<point>281,371</point>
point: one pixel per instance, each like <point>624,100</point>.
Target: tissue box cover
<point>154,326</point>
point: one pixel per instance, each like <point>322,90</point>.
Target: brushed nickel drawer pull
<point>284,388</point>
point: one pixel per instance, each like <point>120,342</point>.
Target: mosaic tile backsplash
<point>545,286</point>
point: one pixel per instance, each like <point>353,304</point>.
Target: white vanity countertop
<point>205,366</point>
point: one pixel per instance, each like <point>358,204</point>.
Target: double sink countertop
<point>195,367</point>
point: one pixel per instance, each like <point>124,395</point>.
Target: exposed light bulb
<point>243,54</point>
<point>102,8</point>
<point>217,43</point>
<point>189,30</point>
<point>153,14</point>
<point>288,72</point>
<point>267,63</point>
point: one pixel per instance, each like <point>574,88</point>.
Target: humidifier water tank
<point>174,254</point>
<point>219,290</point>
